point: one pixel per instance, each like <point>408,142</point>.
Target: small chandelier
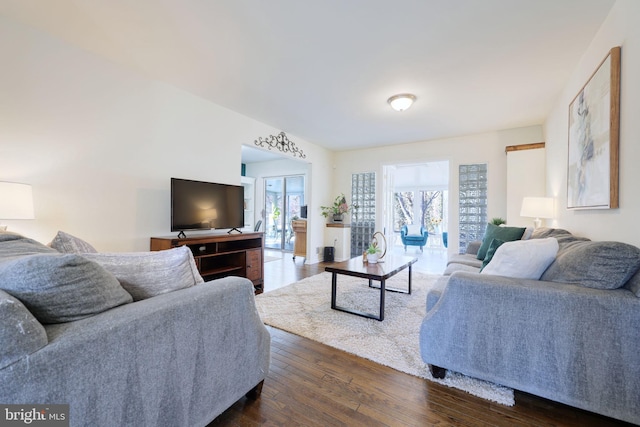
<point>402,101</point>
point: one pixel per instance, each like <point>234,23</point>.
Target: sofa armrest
<point>201,348</point>
<point>434,295</point>
<point>20,334</point>
<point>561,341</point>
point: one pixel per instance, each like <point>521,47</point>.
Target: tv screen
<point>198,205</point>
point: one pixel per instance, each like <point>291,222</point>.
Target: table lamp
<point>537,207</point>
<point>16,202</point>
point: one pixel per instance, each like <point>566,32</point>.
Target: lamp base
<point>3,228</point>
<point>537,223</point>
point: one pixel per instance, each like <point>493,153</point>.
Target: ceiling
<point>323,70</point>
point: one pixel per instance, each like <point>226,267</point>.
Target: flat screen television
<point>199,205</point>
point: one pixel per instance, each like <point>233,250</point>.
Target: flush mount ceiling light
<point>402,101</point>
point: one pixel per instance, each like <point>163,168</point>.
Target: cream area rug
<point>304,308</point>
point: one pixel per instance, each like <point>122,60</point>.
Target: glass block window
<point>473,203</point>
<point>363,215</point>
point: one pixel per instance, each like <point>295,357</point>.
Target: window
<point>473,203</point>
<point>284,196</point>
<point>428,212</point>
<point>402,209</point>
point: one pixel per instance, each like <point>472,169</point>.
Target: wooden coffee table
<point>379,272</point>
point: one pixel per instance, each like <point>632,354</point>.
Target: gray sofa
<point>560,337</point>
<point>179,357</point>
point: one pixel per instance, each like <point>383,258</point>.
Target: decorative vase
<point>337,217</point>
<point>372,258</point>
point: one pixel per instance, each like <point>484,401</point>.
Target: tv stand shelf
<point>221,255</point>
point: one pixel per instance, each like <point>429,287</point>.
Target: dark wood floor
<point>310,384</point>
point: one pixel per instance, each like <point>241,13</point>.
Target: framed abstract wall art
<point>594,129</point>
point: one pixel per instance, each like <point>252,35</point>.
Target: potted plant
<point>337,210</point>
<point>498,221</point>
<point>373,252</point>
<point>275,213</point>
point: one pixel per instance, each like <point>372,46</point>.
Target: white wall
<point>526,177</point>
<point>621,28</point>
<point>99,142</point>
<point>480,148</point>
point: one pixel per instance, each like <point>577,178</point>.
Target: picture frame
<point>594,132</point>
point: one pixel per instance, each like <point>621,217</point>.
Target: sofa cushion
<point>61,287</point>
<point>523,259</point>
<point>466,259</point>
<point>414,230</point>
<point>493,246</point>
<point>453,267</point>
<point>146,274</point>
<point>600,265</point>
<point>506,234</point>
<point>68,244</point>
<point>21,334</point>
<point>14,245</point>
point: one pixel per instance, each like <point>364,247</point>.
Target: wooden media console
<point>221,255</point>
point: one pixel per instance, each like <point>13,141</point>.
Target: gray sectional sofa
<point>177,354</point>
<point>572,336</point>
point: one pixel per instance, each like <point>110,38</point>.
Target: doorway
<point>283,199</point>
<point>417,194</point>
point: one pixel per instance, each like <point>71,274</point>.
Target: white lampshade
<point>402,101</point>
<point>537,207</point>
<point>16,201</point>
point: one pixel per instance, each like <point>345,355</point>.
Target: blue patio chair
<point>413,239</point>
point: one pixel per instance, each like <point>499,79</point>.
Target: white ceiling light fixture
<point>401,101</point>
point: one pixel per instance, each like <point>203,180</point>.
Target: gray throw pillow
<point>544,232</point>
<point>68,244</point>
<point>14,246</point>
<point>147,274</point>
<point>600,265</point>
<point>60,288</point>
<point>21,334</point>
<point>506,234</point>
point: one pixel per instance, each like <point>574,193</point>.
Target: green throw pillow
<point>493,246</point>
<point>506,234</point>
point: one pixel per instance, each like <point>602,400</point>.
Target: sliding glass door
<point>284,196</point>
